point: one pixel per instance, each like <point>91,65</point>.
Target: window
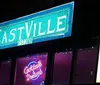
<point>85,66</point>
<point>62,68</point>
<point>31,70</point>
<point>5,69</point>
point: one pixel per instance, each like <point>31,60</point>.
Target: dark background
<point>85,23</point>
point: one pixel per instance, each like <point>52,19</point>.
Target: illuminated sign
<point>33,70</point>
<point>98,69</point>
<point>53,23</point>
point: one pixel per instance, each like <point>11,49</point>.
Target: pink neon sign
<point>33,70</point>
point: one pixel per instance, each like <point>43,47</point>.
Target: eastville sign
<point>53,23</point>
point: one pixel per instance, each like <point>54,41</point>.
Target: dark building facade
<point>65,61</point>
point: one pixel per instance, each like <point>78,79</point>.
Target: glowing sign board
<point>33,70</point>
<point>53,23</point>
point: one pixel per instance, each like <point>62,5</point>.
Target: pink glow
<point>32,68</point>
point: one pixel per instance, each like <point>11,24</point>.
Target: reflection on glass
<point>31,70</point>
<point>5,69</point>
<point>62,67</point>
<point>86,66</point>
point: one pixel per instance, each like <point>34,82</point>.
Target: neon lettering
<point>32,68</point>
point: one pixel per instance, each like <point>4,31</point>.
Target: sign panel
<point>53,23</point>
<point>31,69</point>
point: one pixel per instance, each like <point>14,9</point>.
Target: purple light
<point>33,70</point>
